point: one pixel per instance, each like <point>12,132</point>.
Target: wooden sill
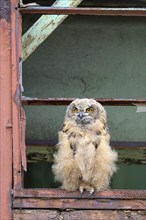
<point>61,199</point>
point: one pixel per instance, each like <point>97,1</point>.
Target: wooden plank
<point>40,214</point>
<point>16,104</point>
<point>104,215</point>
<point>85,11</point>
<point>43,27</point>
<point>63,194</point>
<point>93,204</point>
<point>5,110</point>
<point>36,214</point>
<point>67,101</point>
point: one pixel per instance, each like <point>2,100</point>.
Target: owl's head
<point>85,111</point>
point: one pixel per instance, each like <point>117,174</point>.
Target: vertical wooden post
<point>5,111</point>
<point>16,104</point>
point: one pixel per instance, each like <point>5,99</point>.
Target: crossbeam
<point>43,27</point>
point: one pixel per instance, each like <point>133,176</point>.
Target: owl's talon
<point>91,191</point>
<point>81,189</point>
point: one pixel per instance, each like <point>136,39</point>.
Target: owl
<point>84,158</point>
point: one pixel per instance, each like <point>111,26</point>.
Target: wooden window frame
<point>57,198</point>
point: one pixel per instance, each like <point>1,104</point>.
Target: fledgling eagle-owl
<point>84,159</point>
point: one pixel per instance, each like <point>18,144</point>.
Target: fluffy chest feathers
<point>84,146</point>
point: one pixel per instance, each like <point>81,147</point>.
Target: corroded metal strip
<point>62,194</point>
<point>67,101</point>
<point>85,11</point>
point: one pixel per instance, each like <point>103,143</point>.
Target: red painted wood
<point>5,112</point>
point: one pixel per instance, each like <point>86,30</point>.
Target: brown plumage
<point>84,159</point>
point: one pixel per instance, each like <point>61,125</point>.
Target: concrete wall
<point>88,56</point>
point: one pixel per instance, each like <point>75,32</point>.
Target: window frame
<point>57,198</point>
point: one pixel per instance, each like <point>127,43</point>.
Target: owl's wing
<point>66,126</point>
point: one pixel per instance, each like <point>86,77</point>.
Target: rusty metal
<point>85,11</point>
<point>5,111</point>
<point>67,101</point>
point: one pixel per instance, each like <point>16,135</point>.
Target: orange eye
<point>89,110</point>
<point>75,110</point>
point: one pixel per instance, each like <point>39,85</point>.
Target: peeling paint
<point>43,27</point>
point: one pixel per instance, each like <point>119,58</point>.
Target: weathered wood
<point>5,110</point>
<point>126,155</point>
<point>36,214</point>
<point>63,194</point>
<point>16,32</point>
<point>104,215</point>
<point>43,27</point>
<point>80,215</point>
<point>67,101</point>
<point>93,204</point>
<point>85,11</point>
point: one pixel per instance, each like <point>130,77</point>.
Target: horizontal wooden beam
<point>85,11</point>
<point>67,101</point>
<point>63,194</point>
<point>80,204</point>
<point>32,214</point>
<point>60,199</point>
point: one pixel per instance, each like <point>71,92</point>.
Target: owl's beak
<point>81,115</point>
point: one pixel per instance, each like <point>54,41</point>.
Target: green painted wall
<point>88,56</point>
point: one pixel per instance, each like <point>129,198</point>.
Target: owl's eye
<point>89,110</point>
<point>75,110</point>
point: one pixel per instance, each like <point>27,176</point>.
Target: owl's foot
<point>91,191</point>
<point>81,189</point>
<point>87,188</point>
